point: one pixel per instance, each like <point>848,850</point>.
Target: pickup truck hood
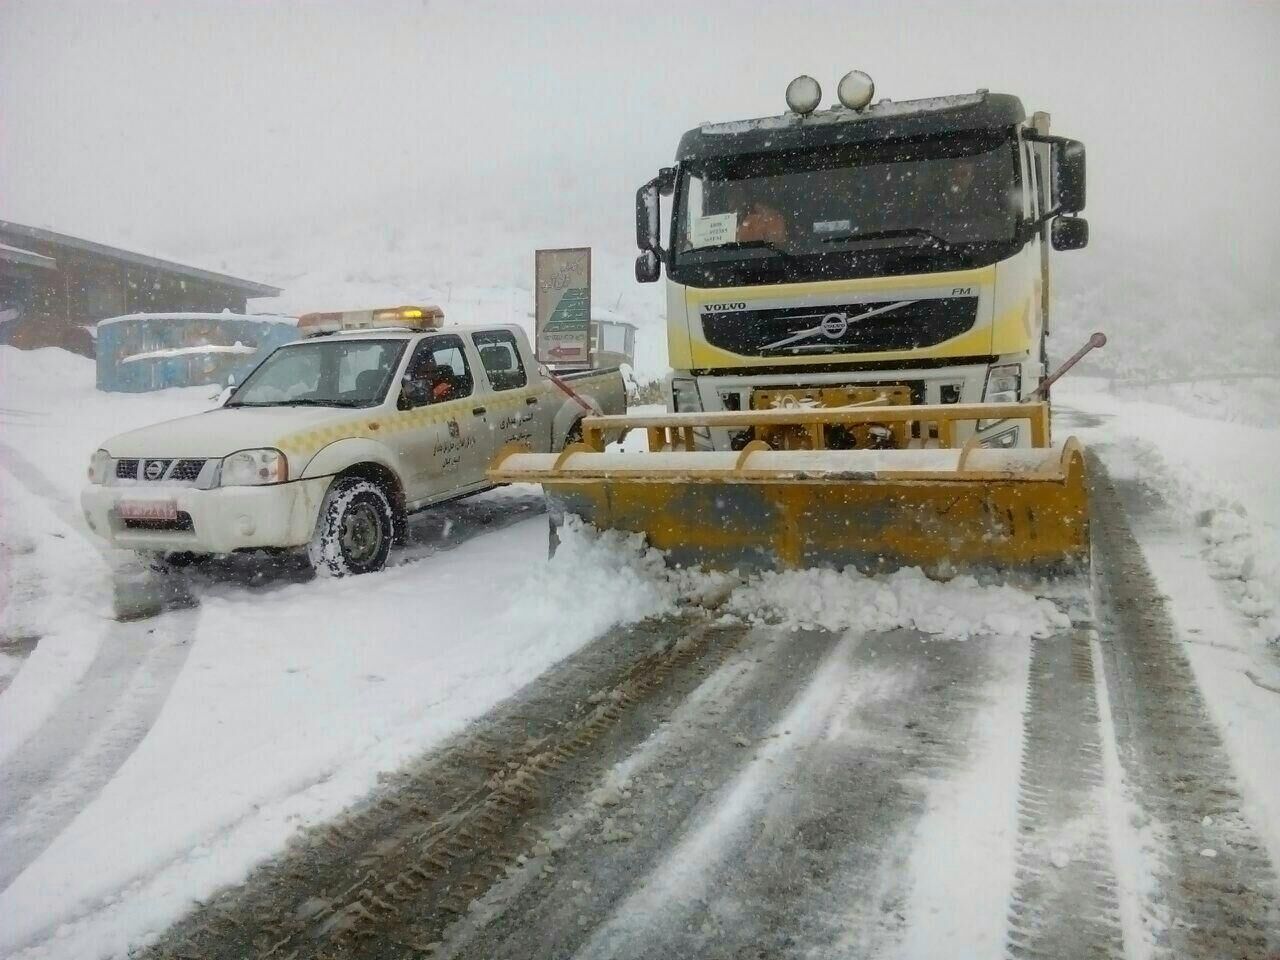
<point>217,433</point>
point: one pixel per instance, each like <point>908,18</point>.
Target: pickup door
<point>519,410</point>
<point>448,447</point>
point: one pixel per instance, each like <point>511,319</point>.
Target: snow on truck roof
<point>886,120</point>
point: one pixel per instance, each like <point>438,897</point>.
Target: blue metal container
<point>154,351</point>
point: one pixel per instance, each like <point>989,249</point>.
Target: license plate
<point>147,509</point>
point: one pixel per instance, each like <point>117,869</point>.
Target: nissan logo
<point>155,470</point>
<point>834,325</point>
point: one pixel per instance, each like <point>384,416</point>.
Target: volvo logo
<point>155,470</point>
<point>834,325</point>
<point>723,307</point>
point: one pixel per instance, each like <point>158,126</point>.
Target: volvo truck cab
<point>862,255</point>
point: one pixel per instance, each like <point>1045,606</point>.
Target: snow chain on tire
<point>355,529</point>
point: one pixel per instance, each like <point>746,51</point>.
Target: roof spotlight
<point>803,95</point>
<point>856,89</point>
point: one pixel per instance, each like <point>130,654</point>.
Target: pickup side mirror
<point>414,393</point>
<point>648,269</point>
<point>1068,175</point>
<point>1069,233</point>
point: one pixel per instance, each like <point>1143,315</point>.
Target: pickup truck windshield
<point>322,373</point>
<point>919,198</point>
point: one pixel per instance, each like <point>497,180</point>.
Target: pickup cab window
<point>500,358</point>
<point>322,373</point>
<point>438,372</point>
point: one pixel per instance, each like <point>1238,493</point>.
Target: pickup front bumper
<point>221,520</point>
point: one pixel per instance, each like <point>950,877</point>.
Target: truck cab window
<point>500,358</point>
<point>439,371</point>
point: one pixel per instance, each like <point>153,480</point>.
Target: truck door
<point>444,445</point>
<point>516,412</point>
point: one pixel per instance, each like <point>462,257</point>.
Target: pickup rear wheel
<point>355,529</point>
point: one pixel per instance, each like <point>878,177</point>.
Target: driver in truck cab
<point>759,217</point>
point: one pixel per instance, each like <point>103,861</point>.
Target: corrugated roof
<point>26,257</point>
<point>224,315</point>
<point>250,287</point>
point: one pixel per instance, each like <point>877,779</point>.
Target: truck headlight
<point>251,468</point>
<point>684,396</point>
<point>1004,385</point>
<point>100,466</point>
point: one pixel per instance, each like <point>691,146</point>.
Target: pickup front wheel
<point>355,529</point>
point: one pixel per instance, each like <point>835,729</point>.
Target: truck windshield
<point>924,196</point>
<point>322,373</point>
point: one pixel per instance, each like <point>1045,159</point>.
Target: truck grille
<point>840,328</point>
<point>183,471</point>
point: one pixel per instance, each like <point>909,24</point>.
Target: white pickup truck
<point>334,439</point>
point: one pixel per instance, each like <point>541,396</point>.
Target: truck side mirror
<point>648,268</point>
<point>1068,175</point>
<point>647,215</point>
<point>666,181</point>
<point>1069,233</point>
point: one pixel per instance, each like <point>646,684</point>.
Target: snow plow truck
<point>857,313</point>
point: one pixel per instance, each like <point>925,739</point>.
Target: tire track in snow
<point>58,771</point>
<point>1064,902</point>
<point>777,822</point>
<point>1224,903</point>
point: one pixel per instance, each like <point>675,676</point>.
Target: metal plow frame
<point>940,507</point>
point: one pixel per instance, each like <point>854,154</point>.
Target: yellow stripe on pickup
<point>307,443</point>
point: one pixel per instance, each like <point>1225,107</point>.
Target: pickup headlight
<point>251,468</point>
<point>100,466</point>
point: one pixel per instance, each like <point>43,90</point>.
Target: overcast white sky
<point>190,127</point>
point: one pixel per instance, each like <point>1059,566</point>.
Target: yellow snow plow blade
<point>937,506</point>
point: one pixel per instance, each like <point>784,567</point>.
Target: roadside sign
<point>562,306</point>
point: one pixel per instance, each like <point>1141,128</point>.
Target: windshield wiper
<point>302,402</point>
<point>919,233</point>
<point>768,246</point>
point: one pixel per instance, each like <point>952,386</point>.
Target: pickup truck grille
<point>186,470</point>
<point>183,471</point>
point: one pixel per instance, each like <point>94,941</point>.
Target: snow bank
<point>53,415</point>
<point>848,600</point>
<point>1220,476</point>
<point>642,584</point>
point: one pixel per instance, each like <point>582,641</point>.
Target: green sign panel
<point>562,306</point>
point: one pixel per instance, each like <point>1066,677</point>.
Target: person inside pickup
<point>437,373</point>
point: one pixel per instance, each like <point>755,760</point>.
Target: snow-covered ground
<point>1214,549</point>
<point>148,763</point>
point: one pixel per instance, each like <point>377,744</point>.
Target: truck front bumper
<point>221,520</point>
<point>962,383</point>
